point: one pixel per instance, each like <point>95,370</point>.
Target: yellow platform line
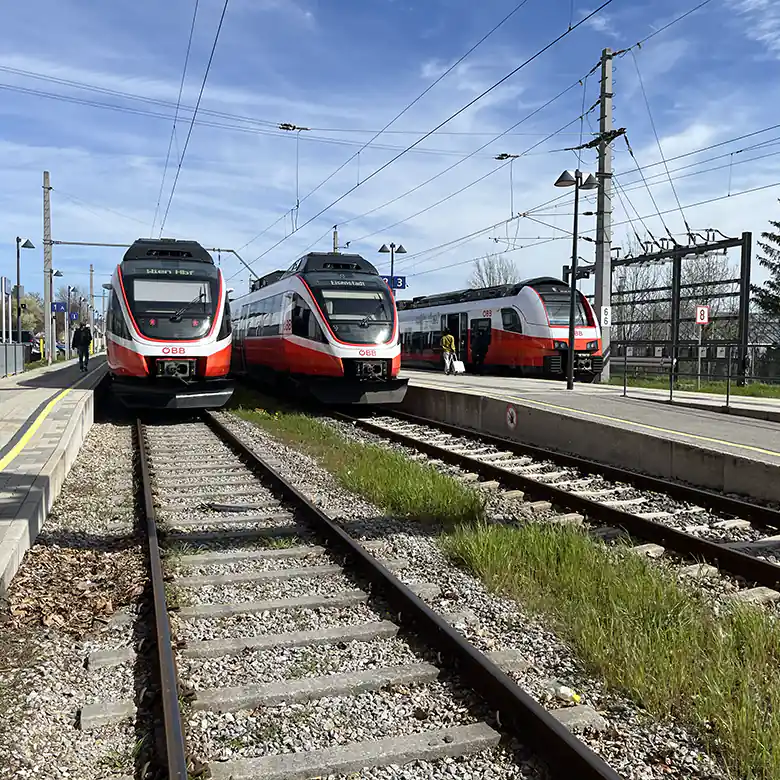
<point>572,411</point>
<point>30,432</point>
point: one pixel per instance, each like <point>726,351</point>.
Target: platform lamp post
<point>21,243</point>
<point>52,347</point>
<point>589,182</point>
<point>393,250</point>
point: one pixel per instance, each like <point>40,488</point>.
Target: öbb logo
<point>173,351</point>
<point>367,353</point>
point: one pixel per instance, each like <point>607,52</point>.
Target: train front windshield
<point>172,308</point>
<point>357,315</point>
<point>558,306</point>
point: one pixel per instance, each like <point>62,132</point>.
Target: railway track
<point>717,531</point>
<point>243,565</point>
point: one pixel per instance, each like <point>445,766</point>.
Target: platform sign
<point>59,307</point>
<point>721,352</point>
<point>606,316</point>
<point>395,282</point>
<point>511,417</point>
<point>629,352</point>
<point>702,352</point>
<point>702,315</point>
<point>659,351</point>
<point>74,315</point>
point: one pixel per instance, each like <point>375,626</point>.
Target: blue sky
<point>345,69</point>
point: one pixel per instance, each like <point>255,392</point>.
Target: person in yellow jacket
<point>448,351</point>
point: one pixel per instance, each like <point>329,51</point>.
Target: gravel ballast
<point>87,563</point>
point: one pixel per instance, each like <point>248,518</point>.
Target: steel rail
<point>724,557</point>
<point>175,746</point>
<point>566,755</point>
<point>761,516</point>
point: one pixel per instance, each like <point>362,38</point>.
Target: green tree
<point>32,313</point>
<point>767,296</point>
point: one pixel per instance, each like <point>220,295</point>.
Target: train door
<point>480,339</point>
<point>458,325</point>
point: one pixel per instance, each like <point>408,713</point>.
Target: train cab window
<point>511,321</point>
<point>118,325</point>
<point>304,324</point>
<point>225,326</point>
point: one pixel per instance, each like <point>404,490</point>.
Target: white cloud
<point>763,22</point>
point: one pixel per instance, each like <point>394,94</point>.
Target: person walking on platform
<point>448,351</point>
<point>82,338</point>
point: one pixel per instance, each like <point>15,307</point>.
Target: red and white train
<point>168,328</point>
<point>522,327</point>
<point>328,326</point>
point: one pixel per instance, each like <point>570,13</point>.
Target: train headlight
<point>560,345</point>
<point>592,345</point>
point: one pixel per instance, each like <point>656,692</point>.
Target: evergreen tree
<point>767,297</point>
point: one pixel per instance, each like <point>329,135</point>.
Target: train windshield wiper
<point>369,317</point>
<point>177,315</point>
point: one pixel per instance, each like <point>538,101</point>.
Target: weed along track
<point>710,531</point>
<point>288,650</point>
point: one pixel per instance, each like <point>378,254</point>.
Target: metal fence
<point>12,357</point>
<point>714,369</point>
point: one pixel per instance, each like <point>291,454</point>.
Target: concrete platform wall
<point>607,444</point>
<point>43,484</point>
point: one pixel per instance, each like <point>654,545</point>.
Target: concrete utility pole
<point>335,239</point>
<point>603,291</point>
<point>48,284</point>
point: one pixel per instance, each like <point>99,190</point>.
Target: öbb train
<point>327,327</point>
<point>522,327</point>
<point>168,328</point>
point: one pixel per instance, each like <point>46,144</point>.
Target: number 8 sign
<point>702,315</point>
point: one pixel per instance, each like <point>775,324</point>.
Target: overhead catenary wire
<point>452,116</point>
<point>194,114</point>
<point>479,149</point>
<point>658,141</point>
<point>751,190</point>
<point>176,114</point>
<point>457,192</point>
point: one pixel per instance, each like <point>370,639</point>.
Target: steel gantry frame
<point>676,255</point>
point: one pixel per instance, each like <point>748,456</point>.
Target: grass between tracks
<point>379,475</point>
<point>632,623</point>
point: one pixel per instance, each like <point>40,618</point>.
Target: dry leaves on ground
<point>74,590</point>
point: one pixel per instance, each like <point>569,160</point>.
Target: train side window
<point>273,308</point>
<point>511,321</point>
<point>417,342</point>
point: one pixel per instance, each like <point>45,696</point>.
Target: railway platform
<point>686,441</point>
<point>45,415</point>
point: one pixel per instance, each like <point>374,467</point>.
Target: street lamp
<point>21,243</point>
<point>589,182</point>
<point>51,347</point>
<point>506,156</point>
<point>393,251</point>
